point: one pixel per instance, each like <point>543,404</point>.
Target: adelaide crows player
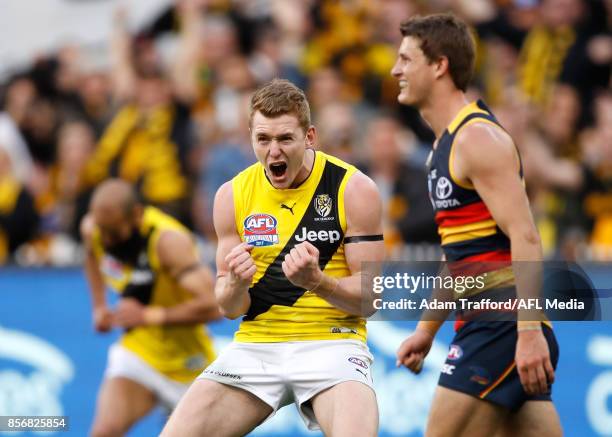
<point>166,294</point>
<point>498,375</point>
<point>293,231</point>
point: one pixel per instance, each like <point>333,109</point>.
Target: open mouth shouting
<point>278,170</point>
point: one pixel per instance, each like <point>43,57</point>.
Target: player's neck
<point>441,109</point>
<point>307,167</point>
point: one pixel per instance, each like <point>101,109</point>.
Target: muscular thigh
<point>533,419</point>
<point>212,408</point>
<point>457,414</point>
<point>121,403</point>
<point>347,409</point>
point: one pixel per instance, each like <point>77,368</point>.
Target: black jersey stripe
<point>274,288</point>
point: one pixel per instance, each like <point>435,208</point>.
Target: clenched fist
<point>301,266</point>
<point>414,349</point>
<point>102,318</point>
<point>241,266</point>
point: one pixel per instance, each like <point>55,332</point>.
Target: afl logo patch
<point>454,352</point>
<point>323,204</point>
<point>444,188</point>
<point>260,230</point>
<point>358,362</point>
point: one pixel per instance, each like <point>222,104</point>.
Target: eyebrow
<point>282,136</point>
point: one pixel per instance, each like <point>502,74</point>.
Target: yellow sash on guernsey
<point>275,220</point>
<point>178,352</point>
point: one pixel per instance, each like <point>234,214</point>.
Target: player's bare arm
<point>102,315</point>
<point>235,267</point>
<point>177,255</point>
<point>414,349</point>
<point>363,218</point>
<point>502,190</point>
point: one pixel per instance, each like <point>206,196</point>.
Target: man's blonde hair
<point>280,97</point>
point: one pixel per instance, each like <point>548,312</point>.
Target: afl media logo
<point>260,230</point>
<point>444,188</point>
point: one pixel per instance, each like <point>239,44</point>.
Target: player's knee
<point>107,428</point>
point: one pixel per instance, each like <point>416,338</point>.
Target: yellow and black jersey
<point>274,221</point>
<point>179,352</point>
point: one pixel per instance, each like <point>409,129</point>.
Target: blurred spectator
<point>408,215</point>
<point>225,158</point>
<point>65,201</point>
<point>568,43</point>
<point>337,131</point>
<point>149,140</point>
<point>597,203</point>
<point>147,143</point>
<point>14,145</point>
<point>18,217</point>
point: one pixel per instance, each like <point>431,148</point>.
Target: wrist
<point>428,327</point>
<point>154,315</point>
<point>528,325</point>
<point>99,307</point>
<point>326,286</point>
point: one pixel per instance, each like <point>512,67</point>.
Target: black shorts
<point>480,363</point>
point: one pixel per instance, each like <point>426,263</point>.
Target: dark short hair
<point>279,97</point>
<point>448,36</point>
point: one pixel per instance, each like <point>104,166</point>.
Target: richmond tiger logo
<point>323,204</point>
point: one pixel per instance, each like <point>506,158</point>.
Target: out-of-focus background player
<point>166,295</point>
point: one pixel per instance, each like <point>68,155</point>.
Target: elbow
<point>229,314</point>
<point>368,308</point>
<point>531,236</point>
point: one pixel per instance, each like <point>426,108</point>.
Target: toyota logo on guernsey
<point>260,230</point>
<point>444,188</point>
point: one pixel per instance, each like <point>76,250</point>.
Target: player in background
<point>498,375</point>
<point>166,295</point>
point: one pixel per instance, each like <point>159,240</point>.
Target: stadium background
<point>155,92</point>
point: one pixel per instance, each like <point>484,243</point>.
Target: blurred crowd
<point>167,110</point>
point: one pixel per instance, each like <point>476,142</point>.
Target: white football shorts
<point>292,372</point>
<point>122,362</point>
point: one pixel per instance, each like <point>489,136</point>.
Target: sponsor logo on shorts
<point>362,372</point>
<point>480,376</point>
<point>260,230</point>
<point>454,352</point>
<point>223,374</point>
<point>358,362</point>
<point>448,369</point>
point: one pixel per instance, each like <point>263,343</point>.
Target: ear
<point>441,67</point>
<point>137,213</point>
<point>311,137</point>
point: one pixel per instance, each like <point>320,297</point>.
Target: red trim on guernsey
<point>459,324</point>
<point>480,263</point>
<point>496,255</point>
<point>474,212</point>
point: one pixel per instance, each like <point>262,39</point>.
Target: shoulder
<point>224,194</point>
<point>223,210</point>
<point>362,202</point>
<point>360,186</point>
<point>172,243</point>
<point>482,139</point>
<point>87,228</point>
